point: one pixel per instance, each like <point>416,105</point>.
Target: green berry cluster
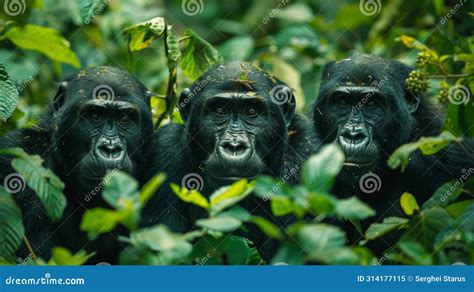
<point>417,81</point>
<point>443,93</point>
<point>423,58</point>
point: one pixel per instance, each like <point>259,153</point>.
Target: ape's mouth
<point>358,163</point>
<point>232,178</point>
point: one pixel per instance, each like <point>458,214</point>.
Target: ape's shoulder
<point>33,141</point>
<point>303,142</point>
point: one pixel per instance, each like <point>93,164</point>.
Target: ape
<point>240,122</point>
<point>99,120</point>
<point>364,107</point>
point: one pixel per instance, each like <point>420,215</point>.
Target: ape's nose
<point>110,148</point>
<point>353,135</point>
<point>234,148</point>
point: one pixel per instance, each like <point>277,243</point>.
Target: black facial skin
<point>233,129</point>
<point>98,121</point>
<point>364,107</point>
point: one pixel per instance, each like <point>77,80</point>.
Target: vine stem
<point>28,246</point>
<point>451,76</point>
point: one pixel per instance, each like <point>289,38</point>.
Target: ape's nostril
<point>353,137</point>
<point>234,148</point>
<point>110,151</point>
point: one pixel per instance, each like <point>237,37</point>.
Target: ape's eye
<point>94,116</point>
<point>252,112</point>
<point>219,110</point>
<point>125,119</point>
<point>371,103</point>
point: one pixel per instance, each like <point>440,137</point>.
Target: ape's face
<point>365,110</point>
<point>236,131</point>
<point>103,125</point>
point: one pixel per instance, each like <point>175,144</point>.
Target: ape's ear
<point>289,109</point>
<point>59,98</point>
<point>184,103</point>
<point>413,100</point>
<point>283,96</point>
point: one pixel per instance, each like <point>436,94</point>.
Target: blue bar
<point>243,279</point>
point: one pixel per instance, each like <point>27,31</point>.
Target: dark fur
<point>49,140</point>
<point>176,155</point>
<point>424,173</point>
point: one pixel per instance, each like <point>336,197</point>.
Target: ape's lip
<point>233,178</point>
<point>357,163</point>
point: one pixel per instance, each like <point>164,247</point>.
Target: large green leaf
<point>190,196</point>
<point>353,209</point>
<point>444,195</point>
<point>63,257</point>
<point>100,220</point>
<point>267,227</point>
<point>121,191</point>
<point>322,168</point>
<point>198,56</point>
<point>9,96</point>
<point>427,146</point>
<point>47,186</point>
<point>416,252</point>
<point>46,40</point>
<point>11,226</point>
<point>389,224</point>
<point>229,195</point>
<point>425,226</point>
<point>173,248</point>
<point>142,34</point>
<point>221,223</point>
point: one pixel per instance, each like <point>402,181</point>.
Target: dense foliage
<point>168,44</point>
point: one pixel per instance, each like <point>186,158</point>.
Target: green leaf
<point>317,239</point>
<point>90,8</point>
<point>9,95</point>
<point>47,186</point>
<point>321,169</point>
<point>282,206</point>
<point>142,34</point>
<point>425,226</point>
<point>444,195</point>
<point>456,209</point>
<point>11,225</point>
<point>270,229</point>
<point>237,48</point>
<point>324,204</point>
<point>221,223</point>
<point>100,220</point>
<point>45,40</point>
<point>389,224</point>
<point>121,190</point>
<point>416,252</point>
<point>238,213</point>
<point>160,238</point>
<point>63,257</point>
<point>198,56</point>
<point>409,204</point>
<point>190,196</point>
<point>427,146</point>
<point>353,209</point>
<point>229,250</point>
<point>230,195</point>
<point>149,189</point>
